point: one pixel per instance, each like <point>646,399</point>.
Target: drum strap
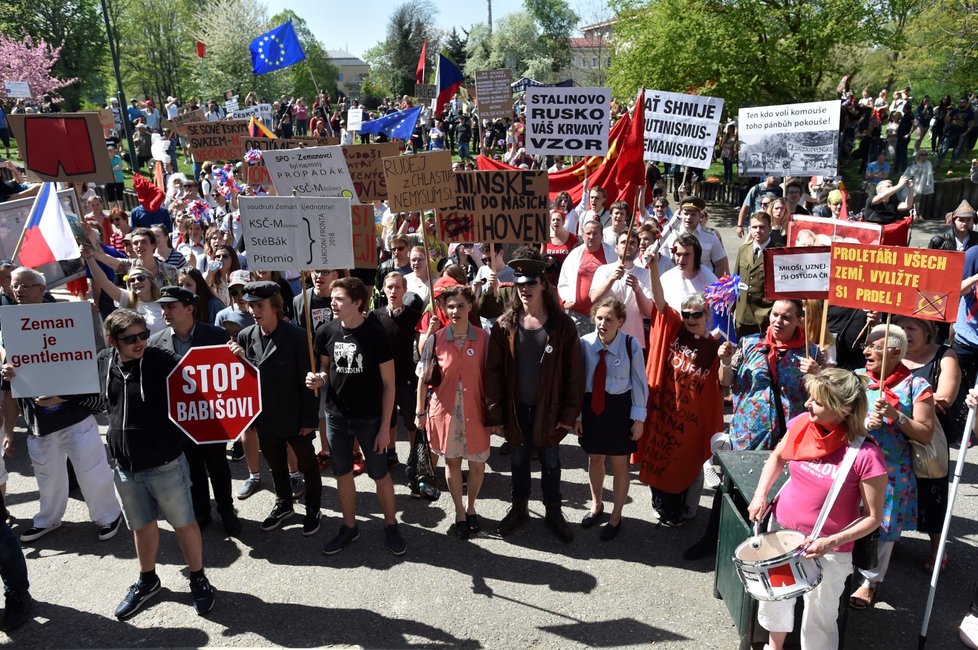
<point>840,477</point>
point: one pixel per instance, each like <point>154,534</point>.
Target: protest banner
<point>568,121</point>
<point>364,237</point>
<point>316,141</point>
<point>365,162</point>
<point>17,89</point>
<point>425,91</point>
<point>289,233</point>
<point>246,143</point>
<point>681,129</point>
<point>63,147</point>
<point>419,182</point>
<point>216,141</point>
<point>15,213</point>
<point>898,280</point>
<point>354,119</point>
<point>495,93</point>
<point>231,105</point>
<point>313,171</point>
<point>797,273</point>
<point>789,139</point>
<point>107,120</point>
<point>816,231</point>
<point>179,123</point>
<point>261,111</point>
<point>506,207</point>
<point>52,348</point>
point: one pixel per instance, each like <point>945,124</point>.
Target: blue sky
<point>357,25</point>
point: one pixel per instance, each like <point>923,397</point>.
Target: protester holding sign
<point>752,309</point>
<point>577,274</point>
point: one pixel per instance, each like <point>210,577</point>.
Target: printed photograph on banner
<point>288,233</point>
<point>789,139</point>
<point>419,182</point>
<point>815,231</point>
<point>312,171</point>
<point>567,121</point>
<point>495,93</point>
<point>681,129</point>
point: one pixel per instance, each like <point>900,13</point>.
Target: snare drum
<point>775,569</point>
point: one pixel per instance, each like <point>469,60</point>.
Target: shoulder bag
<point>430,370</point>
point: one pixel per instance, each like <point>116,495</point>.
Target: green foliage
<point>230,27</point>
<point>454,48</point>
<point>941,56</point>
<point>515,43</point>
<point>557,21</point>
<point>394,61</point>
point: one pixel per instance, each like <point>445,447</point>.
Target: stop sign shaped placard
<point>213,395</point>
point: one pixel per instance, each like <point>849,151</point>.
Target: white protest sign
<point>789,139</point>
<point>798,273</point>
<point>354,119</point>
<point>681,129</point>
<point>312,171</point>
<point>567,121</point>
<point>289,233</point>
<point>261,111</point>
<point>231,105</point>
<point>16,88</point>
<point>52,349</point>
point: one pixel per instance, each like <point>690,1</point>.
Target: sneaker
<point>310,523</point>
<point>34,532</point>
<point>344,537</point>
<point>203,595</point>
<point>251,485</point>
<point>298,487</point>
<point>358,464</point>
<point>324,460</point>
<point>711,479</point>
<point>105,533</point>
<point>968,631</point>
<point>237,451</point>
<point>17,610</point>
<point>392,460</point>
<point>395,541</point>
<point>516,517</point>
<point>137,596</point>
<point>279,513</point>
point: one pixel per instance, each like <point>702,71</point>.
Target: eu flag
<point>399,125</point>
<point>276,49</point>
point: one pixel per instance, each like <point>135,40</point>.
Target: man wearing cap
<point>690,217</point>
<point>236,313</point>
<point>133,113</point>
<point>960,235</point>
<point>183,333</point>
<point>577,275</point>
<point>752,202</point>
<point>534,386</point>
<point>289,411</point>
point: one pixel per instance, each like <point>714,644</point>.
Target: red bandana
<point>807,440</point>
<point>900,373</point>
<point>775,347</point>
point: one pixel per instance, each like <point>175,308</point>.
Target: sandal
<point>863,597</point>
<point>945,560</point>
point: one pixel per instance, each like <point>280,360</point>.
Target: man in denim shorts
<point>151,475</point>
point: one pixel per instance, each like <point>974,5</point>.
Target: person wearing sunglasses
<point>152,478</point>
<point>399,261</point>
<point>119,222</point>
<point>535,385</point>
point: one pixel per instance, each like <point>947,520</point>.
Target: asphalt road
<point>278,589</point>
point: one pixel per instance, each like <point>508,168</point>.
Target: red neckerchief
<point>774,347</point>
<point>806,440</point>
<point>899,374</point>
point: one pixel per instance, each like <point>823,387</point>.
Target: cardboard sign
<point>64,147</point>
<point>495,93</point>
<point>288,233</point>
<point>916,282</point>
<point>681,129</point>
<point>261,111</point>
<point>257,176</point>
<point>313,171</point>
<point>216,141</point>
<point>568,121</point>
<point>505,207</point>
<point>354,119</point>
<point>52,348</point>
<point>797,273</point>
<point>420,181</point>
<point>365,163</point>
<point>789,139</point>
<point>179,123</point>
<point>814,231</point>
<point>364,237</point>
<point>246,142</point>
<point>107,120</point>
<point>316,141</point>
<point>17,89</point>
<point>425,91</point>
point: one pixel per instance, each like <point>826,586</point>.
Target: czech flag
<point>448,79</point>
<point>47,235</point>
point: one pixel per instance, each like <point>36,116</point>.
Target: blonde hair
<point>154,288</point>
<point>844,393</point>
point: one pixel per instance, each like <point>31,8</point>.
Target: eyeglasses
<point>25,287</point>
<point>137,278</point>
<point>692,315</point>
<point>764,204</point>
<point>132,338</point>
<point>877,348</point>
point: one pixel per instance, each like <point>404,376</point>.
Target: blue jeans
<point>727,170</point>
<point>13,567</point>
<point>519,462</point>
<point>463,150</point>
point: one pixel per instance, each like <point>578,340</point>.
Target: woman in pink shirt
<point>814,447</point>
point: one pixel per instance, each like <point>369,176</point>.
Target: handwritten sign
<point>916,282</point>
<point>313,171</point>
<point>52,349</point>
<point>17,89</point>
<point>495,93</point>
<point>365,163</point>
<point>216,140</point>
<point>419,182</point>
<point>797,273</point>
<point>364,237</point>
<point>288,233</point>
<point>179,122</point>
<point>681,129</point>
<point>497,206</point>
<point>567,121</point>
<point>354,119</point>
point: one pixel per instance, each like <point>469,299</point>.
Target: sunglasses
<point>137,278</point>
<point>764,204</point>
<point>132,338</point>
<point>692,315</point>
<point>188,186</point>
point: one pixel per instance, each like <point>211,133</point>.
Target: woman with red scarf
<point>814,447</point>
<point>766,375</point>
<point>901,410</point>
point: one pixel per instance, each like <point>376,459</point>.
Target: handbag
<point>931,460</point>
<point>430,370</point>
<point>865,551</point>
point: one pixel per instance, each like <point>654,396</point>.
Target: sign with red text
<point>505,207</point>
<point>419,182</point>
<point>797,273</point>
<point>364,237</point>
<point>916,282</point>
<point>51,347</point>
<point>365,162</point>
<point>213,395</point>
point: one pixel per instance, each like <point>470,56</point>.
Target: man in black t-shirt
<point>359,366</point>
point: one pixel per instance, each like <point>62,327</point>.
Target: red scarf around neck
<point>776,347</point>
<point>807,440</point>
<point>899,373</point>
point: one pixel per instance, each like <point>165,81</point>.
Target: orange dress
<point>462,368</point>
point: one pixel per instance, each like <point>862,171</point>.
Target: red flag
<point>201,49</point>
<point>419,74</point>
<point>630,173</point>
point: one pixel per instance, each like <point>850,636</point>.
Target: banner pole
<point>306,309</point>
<point>825,320</point>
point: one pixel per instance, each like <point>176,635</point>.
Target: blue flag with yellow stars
<point>276,49</point>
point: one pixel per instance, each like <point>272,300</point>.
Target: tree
<point>514,43</point>
<point>394,61</point>
<point>155,46</point>
<point>556,21</point>
<point>230,27</point>
<point>454,47</point>
<point>22,60</point>
<point>941,55</point>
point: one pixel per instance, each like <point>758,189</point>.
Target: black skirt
<point>931,504</point>
<point>610,432</point>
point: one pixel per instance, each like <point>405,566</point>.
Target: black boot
<point>515,518</point>
<point>707,545</point>
<point>17,610</point>
<point>557,524</point>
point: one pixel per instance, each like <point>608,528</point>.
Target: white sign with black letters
<point>567,121</point>
<point>681,129</point>
<point>289,233</point>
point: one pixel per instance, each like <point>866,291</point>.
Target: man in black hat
<point>534,387</point>
<point>289,411</point>
<point>183,333</point>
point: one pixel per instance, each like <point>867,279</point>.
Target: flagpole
<point>315,83</point>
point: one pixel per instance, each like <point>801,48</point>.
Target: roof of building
<point>342,57</point>
<point>587,43</point>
